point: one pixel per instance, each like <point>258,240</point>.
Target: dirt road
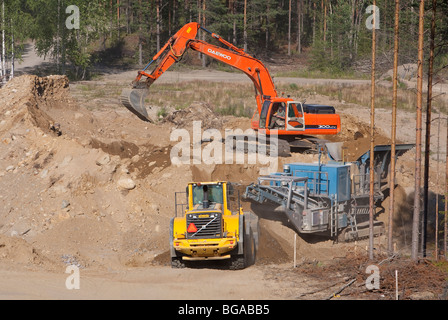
<point>154,283</point>
<point>30,60</point>
<point>221,76</point>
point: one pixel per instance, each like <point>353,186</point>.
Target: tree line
<point>333,32</point>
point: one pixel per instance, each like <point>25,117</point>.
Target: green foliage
<point>52,37</point>
<point>335,31</point>
<point>162,113</point>
<point>342,39</point>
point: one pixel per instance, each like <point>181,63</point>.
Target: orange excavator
<point>293,122</point>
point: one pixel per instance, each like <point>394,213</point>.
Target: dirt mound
<point>237,173</point>
<point>272,248</point>
<point>84,239</point>
<point>26,97</point>
<point>196,112</point>
<point>80,188</point>
<point>355,136</point>
<point>150,160</point>
<point>17,251</point>
<point>123,149</point>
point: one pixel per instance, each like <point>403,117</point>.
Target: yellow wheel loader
<point>211,225</point>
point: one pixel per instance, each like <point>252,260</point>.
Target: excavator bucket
<point>134,101</point>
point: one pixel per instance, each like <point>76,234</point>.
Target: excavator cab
<point>282,115</point>
<point>278,115</point>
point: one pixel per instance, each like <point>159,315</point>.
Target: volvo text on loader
<point>293,122</point>
<point>211,225</point>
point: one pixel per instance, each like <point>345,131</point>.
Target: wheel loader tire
<point>177,263</point>
<point>241,261</point>
<point>246,259</point>
<point>237,262</point>
<point>249,249</point>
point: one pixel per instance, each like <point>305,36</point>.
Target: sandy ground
<point>65,170</point>
<point>155,283</point>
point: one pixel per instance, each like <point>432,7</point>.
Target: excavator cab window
<point>295,119</point>
<point>264,113</point>
<point>292,110</point>
<point>278,114</point>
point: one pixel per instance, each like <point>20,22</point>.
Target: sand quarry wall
<point>96,187</point>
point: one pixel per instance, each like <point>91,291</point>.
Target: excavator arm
<point>252,67</point>
<point>173,51</point>
<point>134,98</point>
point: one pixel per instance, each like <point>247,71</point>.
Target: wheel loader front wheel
<point>246,259</point>
<point>249,249</point>
<point>237,262</point>
<point>177,263</point>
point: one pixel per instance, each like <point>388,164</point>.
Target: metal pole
<point>372,141</point>
<point>288,202</point>
<point>305,194</point>
<point>394,130</point>
<point>396,284</point>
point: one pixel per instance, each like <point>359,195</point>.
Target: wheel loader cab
<point>209,230</point>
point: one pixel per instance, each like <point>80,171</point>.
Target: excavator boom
<point>173,51</point>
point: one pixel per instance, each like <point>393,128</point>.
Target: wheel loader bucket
<point>134,101</point>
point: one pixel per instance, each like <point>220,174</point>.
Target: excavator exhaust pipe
<point>134,100</point>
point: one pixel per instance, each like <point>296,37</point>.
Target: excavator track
<point>282,146</point>
<point>134,101</point>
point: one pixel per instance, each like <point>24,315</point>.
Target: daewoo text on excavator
<point>293,122</point>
